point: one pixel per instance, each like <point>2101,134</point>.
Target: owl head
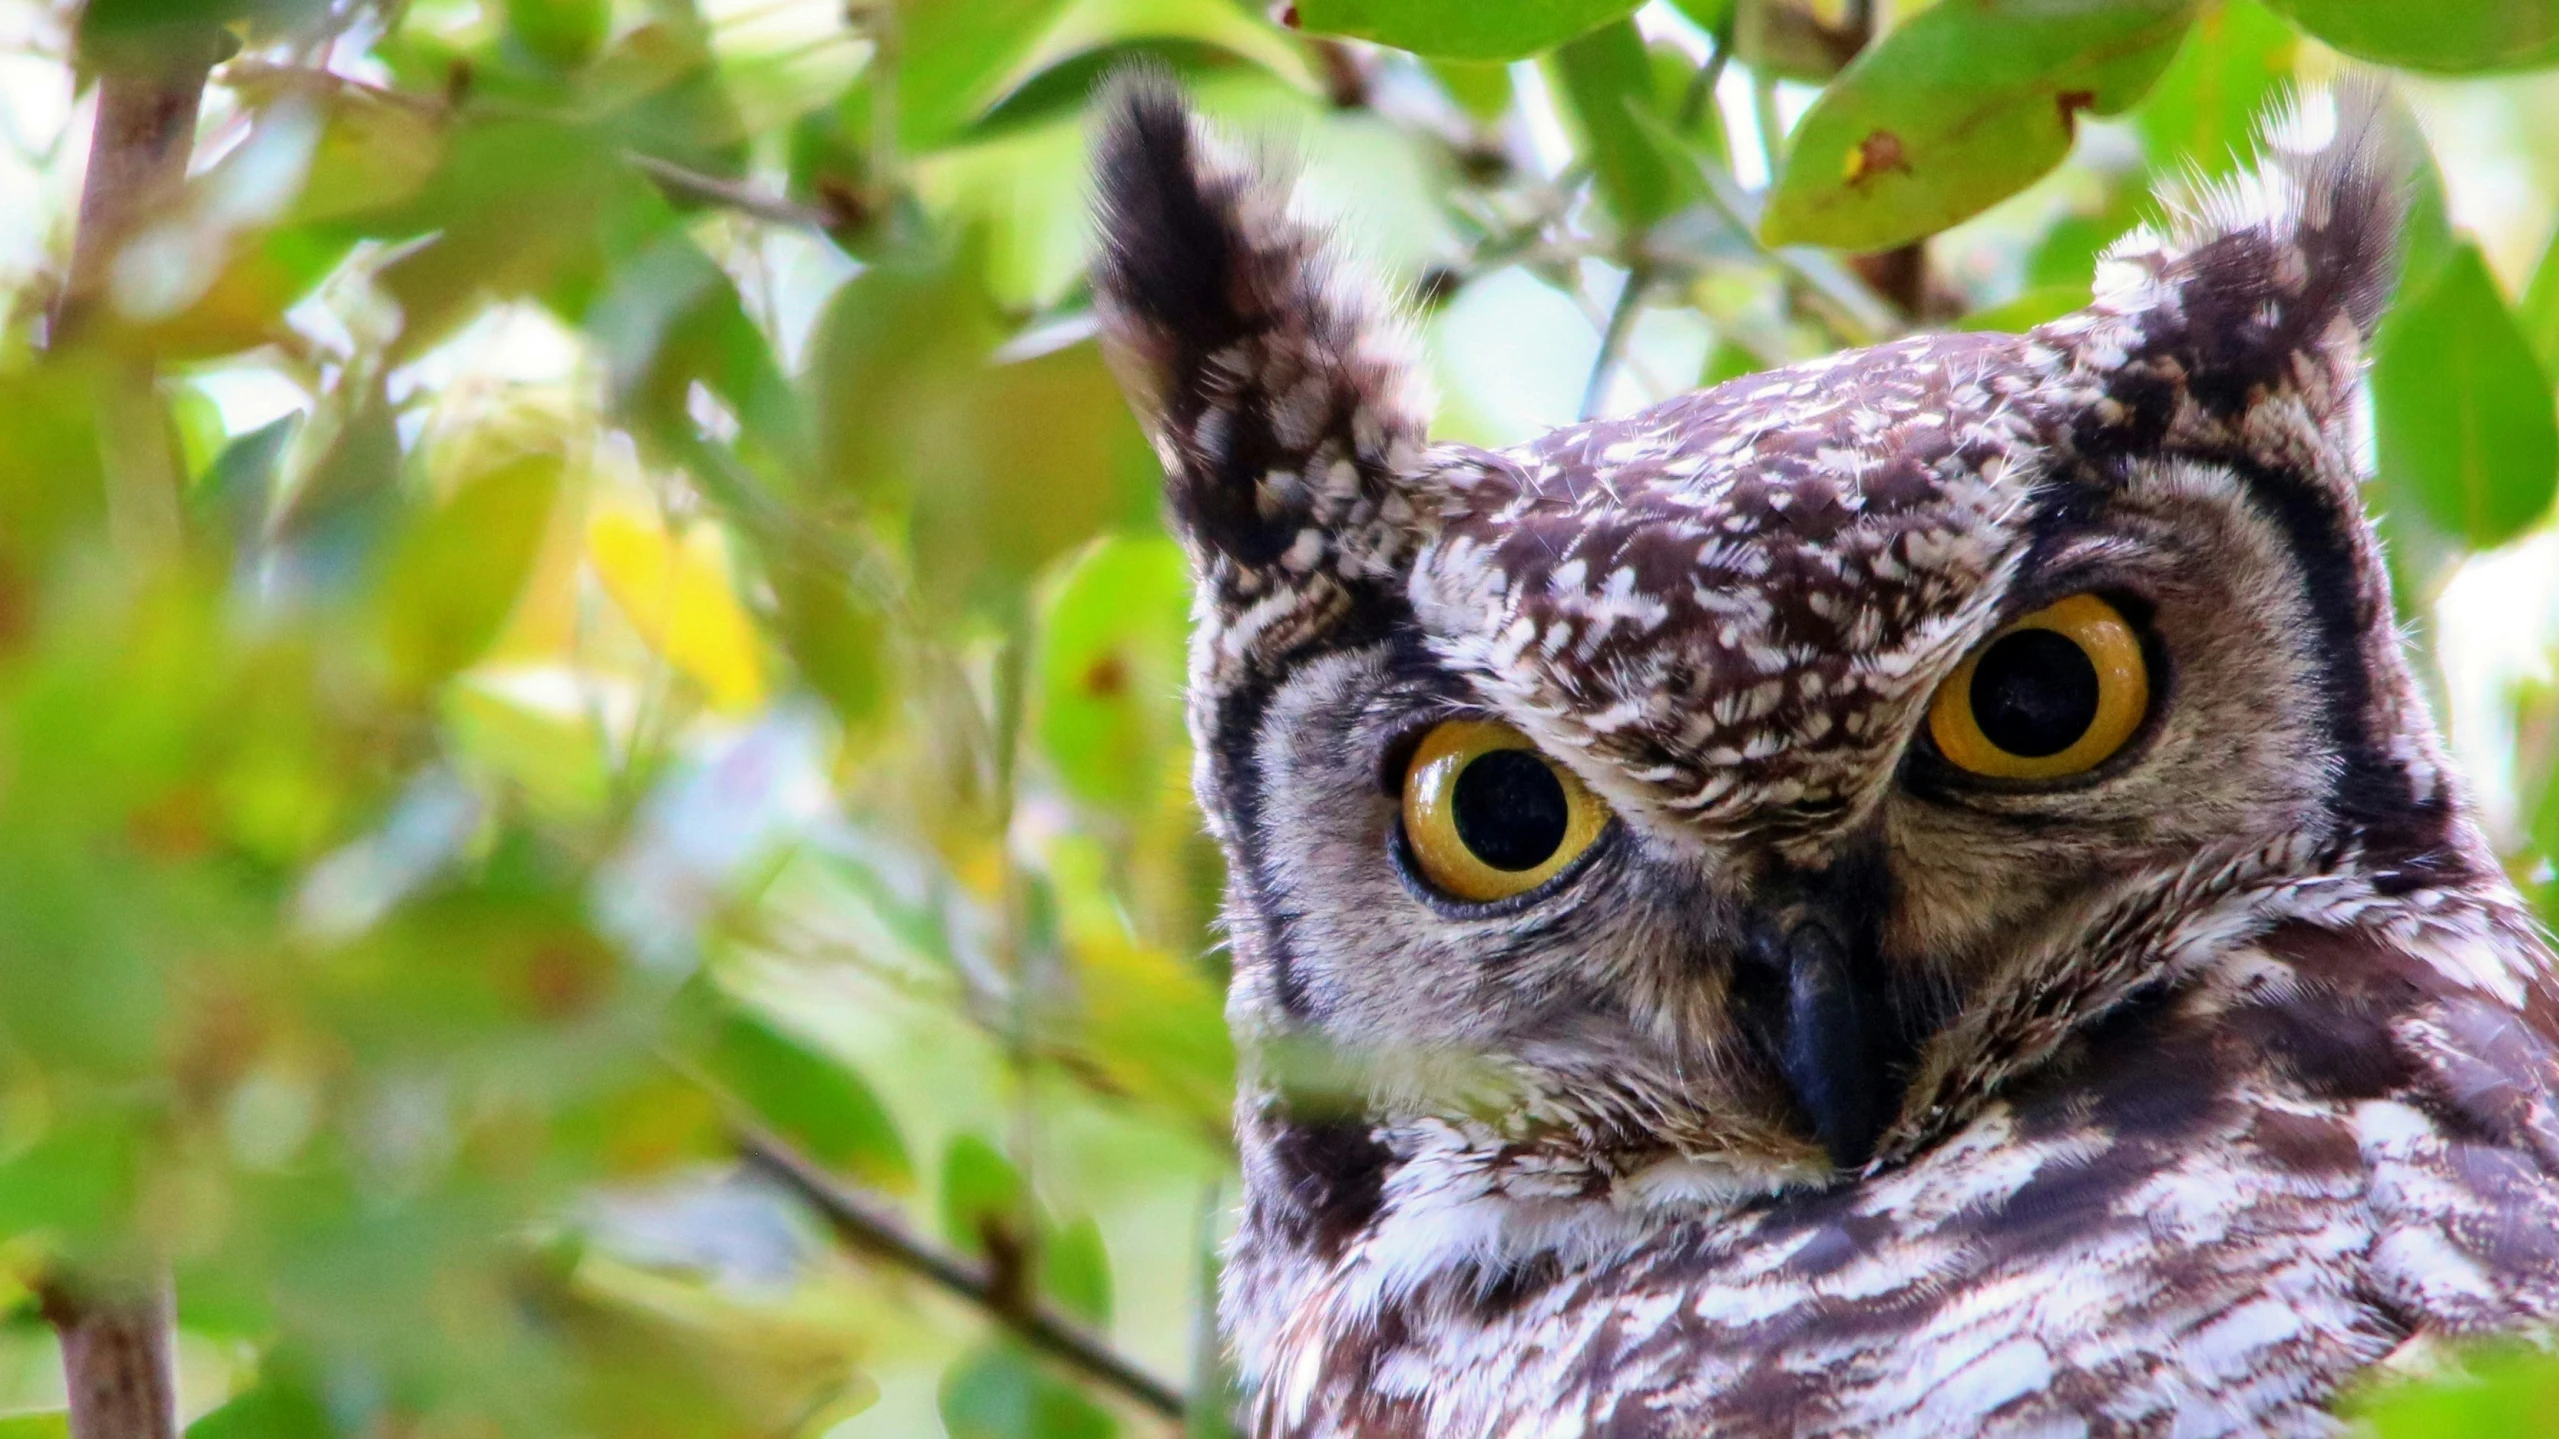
<point>1759,780</point>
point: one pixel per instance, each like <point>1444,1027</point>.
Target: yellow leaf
<point>676,592</point>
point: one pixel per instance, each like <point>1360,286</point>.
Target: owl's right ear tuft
<point>2272,280</point>
<point>1275,385</point>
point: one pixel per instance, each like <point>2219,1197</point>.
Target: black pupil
<point>2034,693</point>
<point>1510,809</point>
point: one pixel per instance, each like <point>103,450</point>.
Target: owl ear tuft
<point>1276,385</point>
<point>2292,262</point>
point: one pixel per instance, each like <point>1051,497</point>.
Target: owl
<point>1911,894</point>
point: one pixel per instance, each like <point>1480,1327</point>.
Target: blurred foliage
<point>582,591</point>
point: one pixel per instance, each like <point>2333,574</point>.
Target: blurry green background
<point>581,599</point>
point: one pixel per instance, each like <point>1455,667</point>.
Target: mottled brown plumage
<point>1837,1089</point>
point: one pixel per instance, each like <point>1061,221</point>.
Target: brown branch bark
<point>117,1359</point>
<point>1900,275</point>
<point>119,1340</point>
<point>864,1225</point>
<point>138,151</point>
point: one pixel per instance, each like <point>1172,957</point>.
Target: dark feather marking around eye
<point>1234,744</point>
<point>2404,835</point>
<point>1235,766</point>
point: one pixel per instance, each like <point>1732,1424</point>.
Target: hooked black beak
<point>1810,985</point>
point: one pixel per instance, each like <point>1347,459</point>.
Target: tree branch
<point>1899,274</point>
<point>138,152</point>
<point>119,1340</point>
<point>116,1360</point>
<point>867,1226</point>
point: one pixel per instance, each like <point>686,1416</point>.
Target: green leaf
<point>2540,309</point>
<point>373,153</point>
<point>953,58</point>
<point>837,635</point>
<point>1481,88</point>
<point>454,575</point>
<point>983,1196</point>
<point>2426,238</point>
<point>2067,253</point>
<point>350,502</point>
<point>52,1424</point>
<point>563,34</point>
<point>1075,1270</point>
<point>1111,670</point>
<point>266,1410</point>
<point>230,500</point>
<point>1958,109</point>
<point>2455,37</point>
<point>1708,15</point>
<point>2203,112</point>
<point>808,1096</point>
<point>890,360</point>
<point>2500,1392</point>
<point>1065,85</point>
<point>669,317</point>
<point>1727,361</point>
<point>516,207</point>
<point>2038,304</point>
<point>548,750</point>
<point>1603,76</point>
<point>1001,1393</point>
<point>145,34</point>
<point>2461,410</point>
<point>1035,455</point>
<point>1462,29</point>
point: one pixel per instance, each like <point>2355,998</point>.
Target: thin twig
<point>868,1226</point>
<point>248,76</point>
<point>1863,317</point>
<point>116,1360</point>
<point>1701,89</point>
<point>1612,340</point>
<point>728,194</point>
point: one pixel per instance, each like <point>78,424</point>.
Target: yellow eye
<point>1488,816</point>
<point>2051,695</point>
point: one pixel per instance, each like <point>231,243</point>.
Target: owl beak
<point>1811,987</point>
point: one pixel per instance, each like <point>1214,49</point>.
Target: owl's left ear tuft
<point>2292,262</point>
<point>1275,383</point>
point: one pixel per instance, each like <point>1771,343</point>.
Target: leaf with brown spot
<point>1959,108</point>
<point>1878,154</point>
